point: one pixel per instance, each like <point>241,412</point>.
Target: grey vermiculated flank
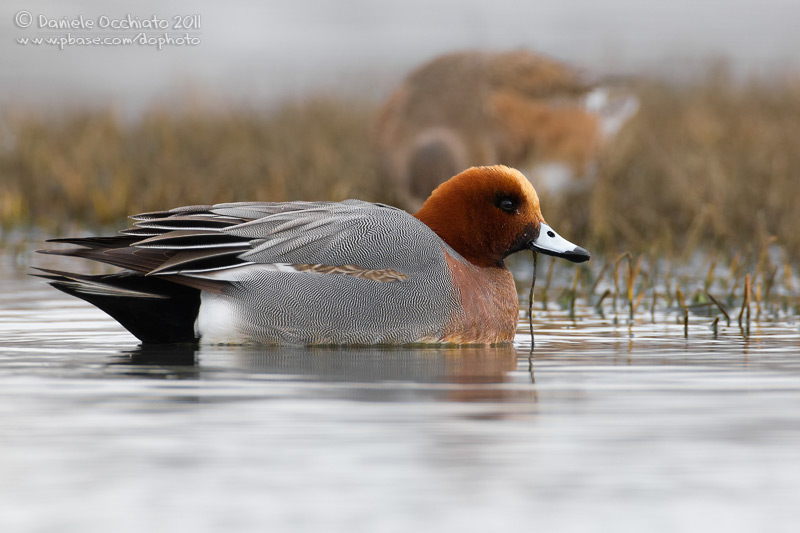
<point>308,307</point>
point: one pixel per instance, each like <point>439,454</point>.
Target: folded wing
<point>205,246</point>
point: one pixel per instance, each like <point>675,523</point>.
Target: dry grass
<point>93,167</point>
<point>712,163</point>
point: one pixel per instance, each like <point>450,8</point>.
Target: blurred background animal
<point>515,108</point>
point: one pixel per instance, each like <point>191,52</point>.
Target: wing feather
<point>353,237</point>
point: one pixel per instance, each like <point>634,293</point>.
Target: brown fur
<point>539,130</point>
<point>515,108</point>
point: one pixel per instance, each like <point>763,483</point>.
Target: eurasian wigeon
<point>347,272</point>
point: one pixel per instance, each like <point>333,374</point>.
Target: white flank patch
<point>216,321</point>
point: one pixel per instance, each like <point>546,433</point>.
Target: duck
<point>308,273</point>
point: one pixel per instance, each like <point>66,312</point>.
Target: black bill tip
<point>576,255</point>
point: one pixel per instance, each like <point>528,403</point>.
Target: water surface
<point>611,428</point>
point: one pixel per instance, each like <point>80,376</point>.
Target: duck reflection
<point>376,372</point>
<point>162,355</point>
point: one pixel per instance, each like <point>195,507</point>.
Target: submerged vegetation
<point>713,289</point>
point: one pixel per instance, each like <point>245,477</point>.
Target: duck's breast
<point>488,306</point>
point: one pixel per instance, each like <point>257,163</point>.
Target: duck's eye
<point>507,203</point>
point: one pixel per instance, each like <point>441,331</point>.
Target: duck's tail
<point>152,309</point>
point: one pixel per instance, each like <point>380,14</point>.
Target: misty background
<point>261,52</point>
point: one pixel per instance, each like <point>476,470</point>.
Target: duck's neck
<point>453,225</point>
